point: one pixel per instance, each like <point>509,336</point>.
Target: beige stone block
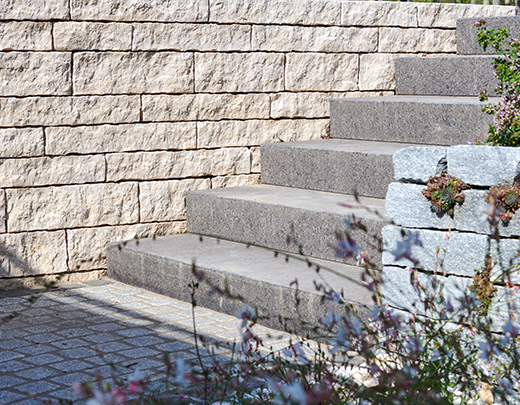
<point>235,181</point>
<point>87,246</point>
<point>241,72</point>
<point>256,132</point>
<point>32,253</point>
<point>71,206</point>
<point>16,142</point>
<point>166,200</point>
<point>120,138</point>
<point>192,107</point>
<point>34,10</point>
<point>255,160</point>
<point>45,171</point>
<point>321,72</point>
<point>445,15</point>
<point>47,111</point>
<point>302,12</point>
<point>378,14</point>
<point>413,40</point>
<point>25,36</point>
<point>177,165</point>
<point>3,212</point>
<point>140,10</point>
<point>83,36</point>
<point>191,37</point>
<point>35,73</point>
<point>377,72</point>
<point>135,72</point>
<point>314,39</point>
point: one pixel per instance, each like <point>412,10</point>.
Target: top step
<point>467,33</point>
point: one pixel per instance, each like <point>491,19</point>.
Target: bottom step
<point>164,266</point>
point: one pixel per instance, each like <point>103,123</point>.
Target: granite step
<point>467,33</point>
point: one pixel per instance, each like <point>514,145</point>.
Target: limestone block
<point>256,132</point>
<point>235,181</point>
<point>303,12</point>
<point>120,138</point>
<point>445,15</point>
<point>87,246</point>
<point>139,10</point>
<point>314,39</point>
<point>417,163</point>
<point>192,107</point>
<point>84,36</point>
<point>35,73</point>
<point>255,160</point>
<point>34,10</point>
<point>257,72</point>
<point>136,72</point>
<point>45,111</point>
<point>321,72</point>
<point>71,206</point>
<point>174,165</point>
<point>32,253</point>
<point>25,36</point>
<point>417,40</point>
<point>482,165</point>
<point>165,200</point>
<point>15,142</point>
<point>191,37</point>
<point>3,212</point>
<point>378,14</point>
<point>377,72</point>
<point>44,171</point>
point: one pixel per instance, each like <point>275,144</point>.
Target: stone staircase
<point>307,193</point>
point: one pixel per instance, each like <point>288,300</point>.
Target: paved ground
<point>72,331</point>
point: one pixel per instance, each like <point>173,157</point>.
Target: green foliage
<point>507,200</point>
<point>444,192</point>
<point>483,286</point>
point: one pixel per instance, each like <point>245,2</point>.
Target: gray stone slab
<point>417,163</point>
<point>467,32</point>
<point>337,165</point>
<point>414,119</point>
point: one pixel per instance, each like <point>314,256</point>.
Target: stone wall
<point>111,110</point>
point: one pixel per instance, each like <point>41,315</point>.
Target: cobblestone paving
<point>72,331</point>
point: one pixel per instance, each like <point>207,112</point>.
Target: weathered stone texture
<point>191,107</point>
<point>3,212</point>
<point>32,253</point>
<point>256,132</point>
<point>139,72</point>
<point>46,111</point>
<point>175,165</point>
<point>25,142</point>
<point>25,36</point>
<point>34,10</point>
<point>321,72</point>
<point>314,39</point>
<point>42,171</point>
<point>191,37</point>
<point>255,159</point>
<point>417,163</point>
<point>71,206</point>
<point>235,181</point>
<point>83,36</point>
<point>138,10</point>
<point>376,72</point>
<point>165,200</point>
<point>120,138</point>
<point>378,14</point>
<point>87,246</point>
<point>241,72</point>
<point>35,73</point>
<point>445,15</point>
<point>417,40</point>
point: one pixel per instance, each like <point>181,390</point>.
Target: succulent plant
<point>506,198</point>
<point>444,192</point>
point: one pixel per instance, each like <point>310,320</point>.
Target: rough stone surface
<point>21,142</point>
<point>467,32</point>
<point>44,171</point>
<point>140,72</point>
<point>191,37</point>
<point>136,10</point>
<point>83,36</point>
<point>314,39</point>
<point>45,111</point>
<point>35,73</point>
<point>416,40</point>
<point>120,138</point>
<point>192,107</point>
<point>259,71</point>
<point>417,163</point>
<point>34,10</point>
<point>377,72</point>
<point>255,160</point>
<point>3,212</point>
<point>256,132</point>
<point>321,72</point>
<point>71,206</point>
<point>446,15</point>
<point>235,181</point>
<point>172,165</point>
<point>25,36</point>
<point>165,200</point>
<point>378,15</point>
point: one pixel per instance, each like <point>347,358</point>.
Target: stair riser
<point>467,33</point>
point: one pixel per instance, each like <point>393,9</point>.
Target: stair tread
<point>423,99</point>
